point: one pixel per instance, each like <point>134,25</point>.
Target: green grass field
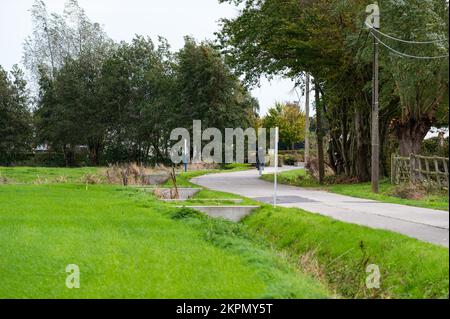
<point>128,245</point>
<point>362,190</point>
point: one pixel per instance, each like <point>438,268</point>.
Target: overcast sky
<point>122,19</point>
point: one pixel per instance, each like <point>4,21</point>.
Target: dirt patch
<point>5,180</point>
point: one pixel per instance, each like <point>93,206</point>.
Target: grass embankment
<point>129,245</point>
<point>338,254</point>
<point>437,200</point>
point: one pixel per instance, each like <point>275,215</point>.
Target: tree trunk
<point>95,149</point>
<point>66,160</point>
<point>410,135</point>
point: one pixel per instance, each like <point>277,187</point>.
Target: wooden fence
<point>420,169</point>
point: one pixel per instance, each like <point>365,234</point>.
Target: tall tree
<point>15,116</point>
<point>421,85</point>
<point>290,120</point>
<point>57,37</point>
<point>327,39</point>
<point>208,90</point>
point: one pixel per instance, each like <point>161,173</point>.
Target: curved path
<point>425,224</point>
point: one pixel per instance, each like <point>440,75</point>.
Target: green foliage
<point>290,120</point>
<point>236,166</point>
<point>433,147</point>
<point>120,101</point>
<point>291,159</point>
<point>208,90</point>
<point>328,40</point>
<point>15,117</point>
<point>123,106</point>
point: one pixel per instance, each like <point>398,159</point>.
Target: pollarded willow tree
<point>421,84</point>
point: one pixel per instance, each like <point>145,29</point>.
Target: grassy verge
<point>339,253</point>
<point>363,190</point>
<point>46,175</point>
<point>53,175</point>
<point>128,245</point>
<point>183,178</point>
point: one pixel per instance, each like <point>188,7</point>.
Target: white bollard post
<point>186,156</point>
<point>275,182</point>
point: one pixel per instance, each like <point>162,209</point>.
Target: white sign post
<point>275,182</point>
<point>186,156</point>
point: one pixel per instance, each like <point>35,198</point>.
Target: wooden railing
<point>420,169</point>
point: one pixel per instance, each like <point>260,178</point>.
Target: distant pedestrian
<point>261,160</point>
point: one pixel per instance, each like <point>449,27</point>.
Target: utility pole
<point>319,132</point>
<point>308,79</point>
<point>373,20</point>
<point>375,121</point>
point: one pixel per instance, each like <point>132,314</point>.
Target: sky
<point>122,19</point>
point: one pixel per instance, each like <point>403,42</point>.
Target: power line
<point>408,55</point>
<point>405,41</point>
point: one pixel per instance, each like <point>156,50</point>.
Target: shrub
<point>236,166</point>
<point>410,191</point>
<point>91,179</point>
<point>291,159</point>
<point>4,180</point>
<point>432,147</point>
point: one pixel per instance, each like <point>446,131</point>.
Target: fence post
<point>427,168</point>
<point>445,162</point>
<point>412,164</point>
<point>438,172</point>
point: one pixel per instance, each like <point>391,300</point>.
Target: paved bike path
<point>424,224</point>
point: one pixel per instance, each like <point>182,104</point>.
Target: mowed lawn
<point>438,200</point>
<point>128,245</point>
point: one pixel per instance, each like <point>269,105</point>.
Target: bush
<point>236,166</point>
<point>91,179</point>
<point>409,191</point>
<point>291,159</point>
<point>432,147</point>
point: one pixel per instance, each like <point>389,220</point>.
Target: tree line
<point>112,102</point>
<point>327,40</point>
